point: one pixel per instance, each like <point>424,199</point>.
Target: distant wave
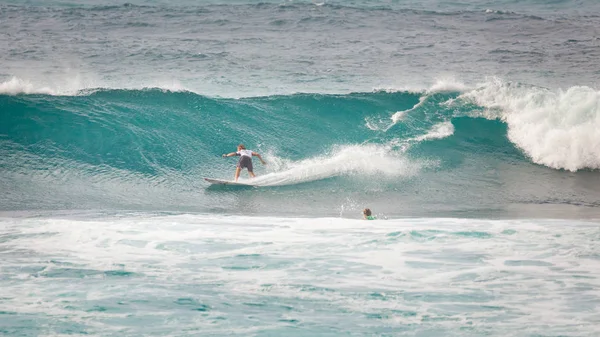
<point>75,86</point>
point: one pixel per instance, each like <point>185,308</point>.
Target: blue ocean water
<point>470,128</point>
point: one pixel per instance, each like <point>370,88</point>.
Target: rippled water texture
<point>470,128</point>
<point>186,275</point>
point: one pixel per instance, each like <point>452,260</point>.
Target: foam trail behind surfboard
<point>354,159</point>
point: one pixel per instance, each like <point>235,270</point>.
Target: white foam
<point>16,86</point>
<point>370,125</point>
<point>559,129</point>
<point>77,85</point>
<point>68,84</point>
<point>438,131</point>
<point>398,116</point>
<point>442,84</point>
<point>448,84</point>
<point>71,82</point>
<point>441,270</point>
<point>344,160</point>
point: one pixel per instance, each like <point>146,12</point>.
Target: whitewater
<point>181,275</point>
<point>470,129</point>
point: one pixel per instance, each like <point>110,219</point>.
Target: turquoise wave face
<point>147,131</point>
<point>327,154</point>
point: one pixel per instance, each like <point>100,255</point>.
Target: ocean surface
<point>470,128</point>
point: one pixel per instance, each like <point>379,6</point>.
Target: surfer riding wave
<point>245,160</point>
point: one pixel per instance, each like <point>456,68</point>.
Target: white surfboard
<point>225,182</point>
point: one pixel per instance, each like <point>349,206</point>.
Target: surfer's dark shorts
<point>245,162</point>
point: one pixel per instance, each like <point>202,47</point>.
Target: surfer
<point>367,214</point>
<point>245,160</point>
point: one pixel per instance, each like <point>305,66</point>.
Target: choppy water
<point>471,129</point>
<point>247,48</point>
<point>185,275</point>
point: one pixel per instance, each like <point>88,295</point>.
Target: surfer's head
<point>367,212</point>
<point>241,147</point>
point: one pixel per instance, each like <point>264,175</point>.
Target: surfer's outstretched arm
<point>231,154</point>
<point>259,157</point>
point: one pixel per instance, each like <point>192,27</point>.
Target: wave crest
<point>15,86</point>
<point>559,129</point>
